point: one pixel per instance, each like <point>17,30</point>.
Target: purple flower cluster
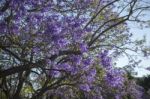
<point>114,77</point>
<point>105,60</point>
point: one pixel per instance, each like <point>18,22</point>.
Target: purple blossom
<point>86,64</point>
<point>105,59</point>
<point>115,78</point>
<point>74,70</point>
<point>83,47</point>
<point>36,50</point>
<point>76,59</point>
<point>85,87</point>
<point>65,66</point>
<point>91,76</point>
<point>117,96</point>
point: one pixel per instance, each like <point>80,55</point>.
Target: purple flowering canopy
<point>58,49</point>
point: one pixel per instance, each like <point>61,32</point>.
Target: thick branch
<point>13,70</point>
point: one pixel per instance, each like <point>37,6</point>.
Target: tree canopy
<point>64,49</point>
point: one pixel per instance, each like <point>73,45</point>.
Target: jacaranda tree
<point>64,49</point>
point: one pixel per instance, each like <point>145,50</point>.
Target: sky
<point>138,33</point>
